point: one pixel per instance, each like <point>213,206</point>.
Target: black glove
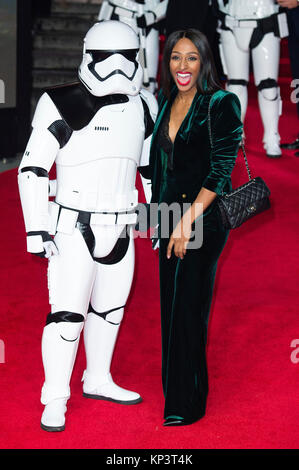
<point>155,238</point>
<point>47,245</point>
<point>141,22</point>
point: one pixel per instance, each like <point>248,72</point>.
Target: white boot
<point>270,109</point>
<point>272,146</point>
<point>99,339</point>
<point>59,347</point>
<point>105,389</point>
<point>53,417</point>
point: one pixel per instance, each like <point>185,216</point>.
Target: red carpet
<point>253,399</point>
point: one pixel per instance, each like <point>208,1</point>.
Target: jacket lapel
<point>164,105</point>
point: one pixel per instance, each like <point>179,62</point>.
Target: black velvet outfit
<point>179,171</point>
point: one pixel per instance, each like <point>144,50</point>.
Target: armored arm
<point>150,108</point>
<point>105,11</point>
<point>33,177</point>
<point>152,14</point>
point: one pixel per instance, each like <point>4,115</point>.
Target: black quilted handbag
<point>244,202</point>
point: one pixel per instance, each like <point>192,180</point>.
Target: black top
<point>164,140</point>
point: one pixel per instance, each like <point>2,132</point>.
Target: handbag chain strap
<point>211,141</point>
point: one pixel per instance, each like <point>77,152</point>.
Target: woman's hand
<point>179,239</point>
<point>182,233</point>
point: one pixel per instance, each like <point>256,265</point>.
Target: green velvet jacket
<point>195,164</point>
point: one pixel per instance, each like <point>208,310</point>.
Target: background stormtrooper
<point>143,16</point>
<point>98,133</point>
<point>254,28</point>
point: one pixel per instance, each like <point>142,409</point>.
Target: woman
<point>185,170</point>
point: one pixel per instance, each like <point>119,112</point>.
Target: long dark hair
<point>207,81</point>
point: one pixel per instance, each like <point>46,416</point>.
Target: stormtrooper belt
<point>261,26</point>
<point>64,219</point>
<point>102,218</point>
<point>232,23</point>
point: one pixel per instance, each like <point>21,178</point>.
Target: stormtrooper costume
<point>254,28</point>
<point>143,16</point>
<point>97,132</point>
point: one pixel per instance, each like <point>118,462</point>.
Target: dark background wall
<point>15,69</point>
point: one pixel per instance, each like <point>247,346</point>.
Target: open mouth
<point>183,79</point>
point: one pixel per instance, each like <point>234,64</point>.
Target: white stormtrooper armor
<point>254,28</point>
<point>143,16</point>
<point>97,141</point>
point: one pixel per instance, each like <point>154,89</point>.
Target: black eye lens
<point>99,56</point>
<point>130,54</point>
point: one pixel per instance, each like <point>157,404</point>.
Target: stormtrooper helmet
<point>110,62</point>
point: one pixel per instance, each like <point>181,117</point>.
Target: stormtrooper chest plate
<point>96,169</point>
<point>115,131</point>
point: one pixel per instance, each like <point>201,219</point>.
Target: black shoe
<point>174,422</point>
<point>177,422</point>
<point>120,402</point>
<point>296,154</point>
<point>269,155</point>
<point>52,428</point>
<point>292,145</point>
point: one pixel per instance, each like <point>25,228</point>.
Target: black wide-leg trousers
<point>186,289</point>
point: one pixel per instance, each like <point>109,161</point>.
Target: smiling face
<point>185,65</point>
